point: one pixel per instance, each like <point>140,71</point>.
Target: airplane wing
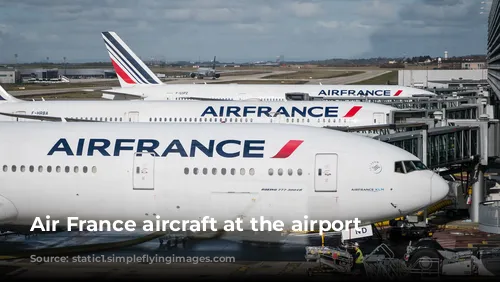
<point>113,95</point>
<point>47,118</point>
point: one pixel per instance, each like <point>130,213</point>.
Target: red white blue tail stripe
<point>130,69</point>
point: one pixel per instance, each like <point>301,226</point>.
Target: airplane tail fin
<point>6,97</point>
<point>130,69</point>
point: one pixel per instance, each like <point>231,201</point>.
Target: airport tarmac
<point>367,74</point>
<point>62,90</point>
<point>151,260</point>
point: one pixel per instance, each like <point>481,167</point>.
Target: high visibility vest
<point>359,260</point>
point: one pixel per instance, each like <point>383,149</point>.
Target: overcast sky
<point>241,30</point>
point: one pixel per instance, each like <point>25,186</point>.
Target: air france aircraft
<point>138,81</point>
<point>150,171</point>
<point>310,113</point>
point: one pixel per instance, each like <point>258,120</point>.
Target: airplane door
<point>144,168</point>
<point>379,118</point>
<point>133,116</point>
<point>325,179</point>
<point>20,113</point>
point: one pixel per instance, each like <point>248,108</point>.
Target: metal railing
<point>489,216</point>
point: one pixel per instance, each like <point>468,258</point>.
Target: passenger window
<point>195,171</point>
<point>233,171</point>
<point>205,171</point>
<point>242,171</point>
<point>75,169</point>
<point>186,170</point>
<point>85,169</point>
<point>58,169</point>
<point>14,168</point>
<point>223,171</point>
<point>49,168</point>
<point>271,171</point>
<point>5,168</point>
<point>398,167</point>
<point>94,169</point>
<point>290,171</point>
<point>32,168</point>
<point>251,171</point>
<point>40,168</point>
<point>66,169</point>
<point>137,170</point>
<point>299,171</point>
<point>280,171</point>
<point>214,171</point>
<point>22,168</point>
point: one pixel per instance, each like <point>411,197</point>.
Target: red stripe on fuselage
<point>121,73</point>
<point>398,92</point>
<point>288,149</point>
<point>353,111</point>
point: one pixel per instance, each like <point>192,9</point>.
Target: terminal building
<point>9,75</point>
<point>493,48</point>
<point>443,78</point>
<point>42,73</point>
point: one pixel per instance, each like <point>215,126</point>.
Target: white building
<point>436,78</point>
<point>9,76</point>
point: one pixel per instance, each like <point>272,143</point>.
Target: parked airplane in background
<point>206,72</point>
<point>311,113</point>
<point>142,171</point>
<point>138,81</point>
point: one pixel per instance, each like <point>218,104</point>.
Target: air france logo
<point>194,148</point>
<point>352,92</point>
<point>260,111</point>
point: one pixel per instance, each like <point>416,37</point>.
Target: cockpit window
<point>409,166</point>
<point>419,165</point>
<point>399,167</point>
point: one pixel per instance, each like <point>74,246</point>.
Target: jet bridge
<point>442,146</point>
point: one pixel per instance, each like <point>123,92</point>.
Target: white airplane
<point>142,171</point>
<point>201,72</point>
<point>138,81</point>
<point>310,113</point>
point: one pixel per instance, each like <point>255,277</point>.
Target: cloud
<point>305,9</point>
<point>240,30</point>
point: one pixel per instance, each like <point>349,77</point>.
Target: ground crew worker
<point>358,259</point>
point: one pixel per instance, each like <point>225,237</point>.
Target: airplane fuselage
<point>266,92</point>
<point>309,113</point>
<point>187,171</point>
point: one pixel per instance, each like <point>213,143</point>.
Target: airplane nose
<point>7,210</point>
<point>439,188</point>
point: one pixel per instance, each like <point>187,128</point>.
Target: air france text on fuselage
<point>192,148</point>
<point>259,111</point>
<point>351,92</point>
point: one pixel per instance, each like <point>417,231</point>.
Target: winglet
<point>6,97</point>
